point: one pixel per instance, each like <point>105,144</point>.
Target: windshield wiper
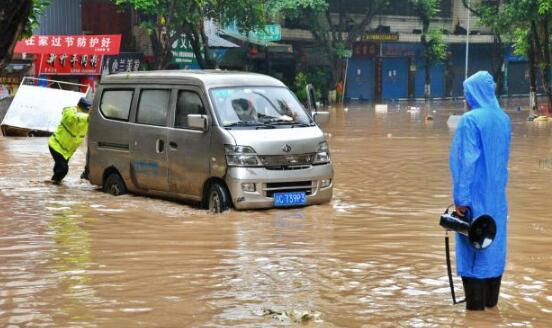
<point>258,125</point>
<point>279,121</point>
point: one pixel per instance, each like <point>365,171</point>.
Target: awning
<point>18,66</point>
<point>272,46</point>
<point>213,39</point>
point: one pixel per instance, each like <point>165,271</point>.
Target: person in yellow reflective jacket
<point>69,135</point>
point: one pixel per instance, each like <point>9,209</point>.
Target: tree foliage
<point>437,47</point>
<point>167,20</point>
<point>425,9</point>
<point>489,15</point>
<point>433,41</point>
<point>295,8</point>
<point>528,24</point>
<point>334,32</point>
<point>18,18</point>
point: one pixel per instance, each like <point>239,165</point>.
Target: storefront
<point>12,75</point>
<point>393,70</point>
<point>70,58</point>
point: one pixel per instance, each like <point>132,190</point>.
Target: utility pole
<point>467,51</point>
<point>467,42</point>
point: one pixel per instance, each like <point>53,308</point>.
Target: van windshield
<point>254,107</point>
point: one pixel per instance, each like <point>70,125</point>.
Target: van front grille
<point>295,186</point>
<point>287,162</point>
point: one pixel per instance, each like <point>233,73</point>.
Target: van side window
<point>188,103</point>
<point>153,107</point>
<point>115,104</point>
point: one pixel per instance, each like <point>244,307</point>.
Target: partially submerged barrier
<point>36,110</point>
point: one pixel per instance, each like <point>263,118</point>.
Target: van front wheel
<point>114,184</point>
<point>218,199</point>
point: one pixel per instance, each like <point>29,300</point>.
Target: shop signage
<point>269,33</point>
<point>69,64</point>
<point>381,37</point>
<point>70,44</point>
<point>183,54</point>
<point>123,62</point>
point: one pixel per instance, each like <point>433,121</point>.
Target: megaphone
<point>480,231</point>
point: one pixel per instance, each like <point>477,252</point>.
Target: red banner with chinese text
<point>71,44</point>
<point>64,64</point>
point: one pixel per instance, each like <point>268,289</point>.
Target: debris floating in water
<point>453,121</point>
<point>381,108</point>
<point>542,118</point>
<point>293,315</point>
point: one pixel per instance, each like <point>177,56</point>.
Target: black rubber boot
<point>493,290</point>
<point>475,291</point>
<point>61,166</point>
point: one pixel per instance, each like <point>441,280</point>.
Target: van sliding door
<point>148,146</point>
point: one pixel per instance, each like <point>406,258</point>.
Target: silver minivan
<point>225,139</point>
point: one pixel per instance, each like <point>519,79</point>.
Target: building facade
<point>92,22</point>
<point>387,60</point>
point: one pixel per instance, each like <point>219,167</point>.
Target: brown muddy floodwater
<point>72,256</point>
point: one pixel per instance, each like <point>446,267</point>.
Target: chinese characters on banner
<point>70,64</point>
<point>124,62</point>
<point>70,54</point>
<point>70,44</point>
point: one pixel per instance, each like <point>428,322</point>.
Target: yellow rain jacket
<point>70,132</point>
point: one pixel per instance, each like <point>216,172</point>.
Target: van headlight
<point>241,156</point>
<point>323,154</point>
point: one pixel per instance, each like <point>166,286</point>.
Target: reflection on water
<point>72,256</point>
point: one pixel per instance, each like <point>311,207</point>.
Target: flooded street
<point>72,256</point>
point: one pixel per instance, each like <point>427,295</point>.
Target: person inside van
<point>68,136</point>
<point>286,113</point>
<point>245,110</point>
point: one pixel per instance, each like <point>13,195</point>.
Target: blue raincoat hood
<point>479,166</point>
<point>479,90</point>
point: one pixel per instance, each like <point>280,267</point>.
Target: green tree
<point>435,49</point>
<point>529,21</point>
<point>18,18</point>
<point>524,46</point>
<point>489,14</point>
<point>167,20</point>
<point>334,36</point>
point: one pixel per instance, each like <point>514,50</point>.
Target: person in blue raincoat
<point>479,166</point>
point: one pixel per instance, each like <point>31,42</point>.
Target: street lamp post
<point>467,42</point>
<point>467,51</point>
<point>453,120</point>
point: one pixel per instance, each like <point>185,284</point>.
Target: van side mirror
<point>311,99</point>
<point>197,121</point>
<point>321,117</point>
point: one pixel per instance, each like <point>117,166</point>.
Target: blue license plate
<point>289,198</point>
